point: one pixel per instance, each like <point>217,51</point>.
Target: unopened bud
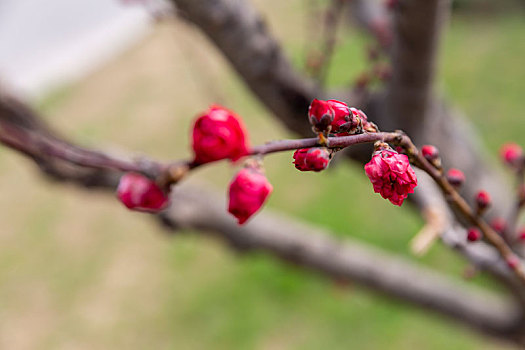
<point>321,115</point>
<point>483,201</point>
<point>455,177</point>
<point>499,225</point>
<point>430,152</point>
<point>513,262</point>
<point>512,154</point>
<point>473,234</point>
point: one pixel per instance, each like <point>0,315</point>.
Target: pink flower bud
<point>249,190</point>
<point>473,234</point>
<point>137,192</point>
<point>219,134</point>
<point>513,262</point>
<point>313,159</point>
<point>321,114</point>
<point>391,175</point>
<point>455,177</point>
<point>499,225</point>
<point>512,154</point>
<point>483,200</point>
<point>430,152</point>
<point>521,234</point>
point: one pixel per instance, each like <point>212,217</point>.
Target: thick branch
<point>240,33</point>
<point>315,249</point>
<point>417,29</point>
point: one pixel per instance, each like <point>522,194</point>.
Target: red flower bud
<point>498,224</point>
<point>299,157</point>
<point>248,192</point>
<point>513,262</point>
<point>473,234</point>
<point>321,114</point>
<point>313,159</point>
<point>343,120</point>
<point>219,134</point>
<point>512,154</point>
<point>483,199</point>
<point>430,152</point>
<point>137,192</point>
<point>391,175</point>
<point>317,159</point>
<point>455,177</point>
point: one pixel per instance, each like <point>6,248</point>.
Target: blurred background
<point>78,271</point>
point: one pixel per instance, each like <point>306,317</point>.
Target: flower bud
<point>343,119</point>
<point>137,192</point>
<point>313,159</point>
<point>317,159</point>
<point>249,190</point>
<point>473,234</point>
<point>321,115</point>
<point>299,157</point>
<point>483,200</point>
<point>391,174</point>
<point>499,225</point>
<point>512,154</point>
<point>513,262</point>
<point>430,152</point>
<point>521,234</point>
<point>455,177</point>
<point>219,134</point>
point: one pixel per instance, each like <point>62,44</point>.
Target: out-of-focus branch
<point>241,34</point>
<point>372,16</point>
<point>417,26</point>
<point>308,247</point>
<point>332,17</point>
<point>315,249</point>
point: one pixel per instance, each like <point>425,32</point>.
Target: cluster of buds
<point>337,118</point>
<point>389,171</point>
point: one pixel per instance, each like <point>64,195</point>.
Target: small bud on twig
<point>512,155</point>
<point>431,153</point>
<point>455,177</point>
<point>473,234</point>
<point>499,225</point>
<point>483,201</point>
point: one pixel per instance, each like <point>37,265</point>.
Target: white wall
<point>47,43</point>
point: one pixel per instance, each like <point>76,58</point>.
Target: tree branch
<point>242,36</point>
<point>291,241</point>
<point>417,28</point>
